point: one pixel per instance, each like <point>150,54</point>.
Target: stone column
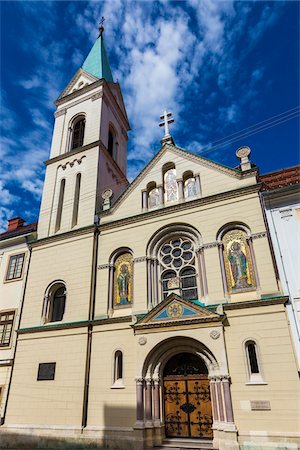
<point>214,399</point>
<point>155,282</point>
<point>139,401</point>
<point>200,272</point>
<point>110,289</point>
<point>220,400</point>
<point>197,178</point>
<point>220,250</point>
<point>149,402</point>
<point>149,283</point>
<point>205,290</point>
<point>144,200</point>
<point>180,189</point>
<point>161,194</point>
<point>156,391</point>
<point>227,399</point>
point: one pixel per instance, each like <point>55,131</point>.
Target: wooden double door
<point>187,404</point>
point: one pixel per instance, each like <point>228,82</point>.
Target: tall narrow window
<point>110,146</point>
<point>76,200</point>
<point>118,366</point>
<point>78,133</point>
<point>58,303</point>
<point>252,357</point>
<point>60,204</point>
<point>15,267</point>
<point>254,371</point>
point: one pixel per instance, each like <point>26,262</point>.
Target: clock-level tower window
<point>78,132</point>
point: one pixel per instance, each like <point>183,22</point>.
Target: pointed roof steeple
<point>96,63</point>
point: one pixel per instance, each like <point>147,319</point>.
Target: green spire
<point>96,63</point>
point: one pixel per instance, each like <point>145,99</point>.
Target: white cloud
<point>5,215</point>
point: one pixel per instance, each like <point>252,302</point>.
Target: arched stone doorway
<point>186,397</point>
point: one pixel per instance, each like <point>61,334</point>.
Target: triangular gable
<point>175,309</point>
<point>81,76</point>
<point>234,173</point>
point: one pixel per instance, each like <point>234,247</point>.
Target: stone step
<point>185,444</point>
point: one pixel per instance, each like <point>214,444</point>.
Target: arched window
<point>153,195</point>
<point>55,302</point>
<point>76,200</point>
<point>77,131</point>
<point>177,260</point>
<point>254,371</point>
<point>118,367</point>
<point>238,261</point>
<point>60,204</point>
<point>123,280</point>
<point>170,183</point>
<point>189,185</point>
<point>112,143</point>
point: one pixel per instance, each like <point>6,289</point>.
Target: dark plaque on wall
<point>46,371</point>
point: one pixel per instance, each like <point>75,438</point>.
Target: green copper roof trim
<point>96,63</point>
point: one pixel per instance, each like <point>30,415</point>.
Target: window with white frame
<point>253,363</point>
<point>15,267</point>
<point>55,302</point>
<point>118,380</point>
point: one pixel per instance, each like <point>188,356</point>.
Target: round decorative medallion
<point>142,340</point>
<point>242,152</point>
<point>107,194</point>
<point>175,310</point>
<point>214,334</point>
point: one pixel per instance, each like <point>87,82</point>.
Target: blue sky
<point>220,67</point>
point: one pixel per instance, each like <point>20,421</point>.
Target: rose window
<point>177,258</point>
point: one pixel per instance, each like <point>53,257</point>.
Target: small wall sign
<point>260,405</point>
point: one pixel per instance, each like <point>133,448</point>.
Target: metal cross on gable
<point>167,119</point>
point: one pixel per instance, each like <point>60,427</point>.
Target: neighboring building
<point>14,261</point>
<point>281,199</point>
<point>153,310</point>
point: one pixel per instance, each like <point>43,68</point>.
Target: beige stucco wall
<point>48,402</point>
<point>268,327</point>
<point>69,260</point>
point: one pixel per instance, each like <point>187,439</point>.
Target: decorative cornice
<point>97,96</point>
<point>71,163</point>
<point>211,245</point>
<point>73,152</point>
<point>256,303</point>
<point>261,234</point>
<point>103,266</point>
<point>62,236</point>
<point>60,112</point>
<point>70,325</point>
<point>178,207</point>
<point>177,323</point>
<point>140,259</point>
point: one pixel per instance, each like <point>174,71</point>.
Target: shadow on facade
<point>118,434</point>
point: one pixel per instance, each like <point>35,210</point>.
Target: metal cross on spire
<point>101,26</point>
<point>166,120</point>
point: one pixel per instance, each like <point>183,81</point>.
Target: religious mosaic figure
<point>153,198</point>
<point>171,189</point>
<point>238,262</point>
<point>190,188</point>
<point>123,280</point>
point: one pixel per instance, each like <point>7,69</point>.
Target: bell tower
<point>89,147</point>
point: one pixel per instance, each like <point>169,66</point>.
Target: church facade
<point>153,312</point>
